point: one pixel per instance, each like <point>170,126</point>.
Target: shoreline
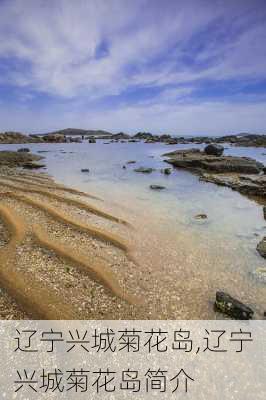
<point>80,264</point>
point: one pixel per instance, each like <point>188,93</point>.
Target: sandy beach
<point>59,260</point>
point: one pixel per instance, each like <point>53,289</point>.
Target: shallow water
<point>190,258</point>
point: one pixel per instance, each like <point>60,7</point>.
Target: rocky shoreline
<point>242,174</point>
<point>79,135</point>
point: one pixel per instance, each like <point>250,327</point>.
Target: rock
<point>54,138</point>
<point>144,170</point>
<point>250,185</point>
<point>124,167</point>
<point>201,216</point>
<point>18,159</point>
<point>232,307</point>
<point>166,171</point>
<point>143,135</point>
<point>92,140</point>
<point>214,150</point>
<point>261,247</point>
<point>85,170</point>
<point>200,161</point>
<point>131,162</point>
<point>157,187</point>
<point>24,150</point>
<point>264,212</point>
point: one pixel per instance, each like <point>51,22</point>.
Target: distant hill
<point>76,131</point>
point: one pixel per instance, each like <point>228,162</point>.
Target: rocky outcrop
<point>13,138</point>
<point>14,159</point>
<point>54,138</point>
<point>200,161</point>
<point>251,185</point>
<point>242,139</point>
<point>242,174</point>
<point>143,135</point>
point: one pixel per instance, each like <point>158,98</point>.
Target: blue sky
<point>181,67</point>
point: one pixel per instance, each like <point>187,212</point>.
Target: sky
<point>182,67</point>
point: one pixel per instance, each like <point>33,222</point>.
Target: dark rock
<point>124,167</point>
<point>24,150</point>
<point>232,307</point>
<point>201,216</point>
<point>166,171</point>
<point>85,170</point>
<point>157,187</point>
<point>131,162</point>
<point>214,150</point>
<point>261,247</point>
<point>92,140</point>
<point>144,170</point>
<point>264,212</point>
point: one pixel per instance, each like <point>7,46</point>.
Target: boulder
<point>85,170</point>
<point>24,150</point>
<point>264,212</point>
<point>214,150</point>
<point>232,307</point>
<point>92,140</point>
<point>131,162</point>
<point>166,171</point>
<point>261,247</point>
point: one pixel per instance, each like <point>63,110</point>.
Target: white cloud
<point>58,42</point>
<point>52,47</point>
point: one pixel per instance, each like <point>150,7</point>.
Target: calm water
<point>221,249</point>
